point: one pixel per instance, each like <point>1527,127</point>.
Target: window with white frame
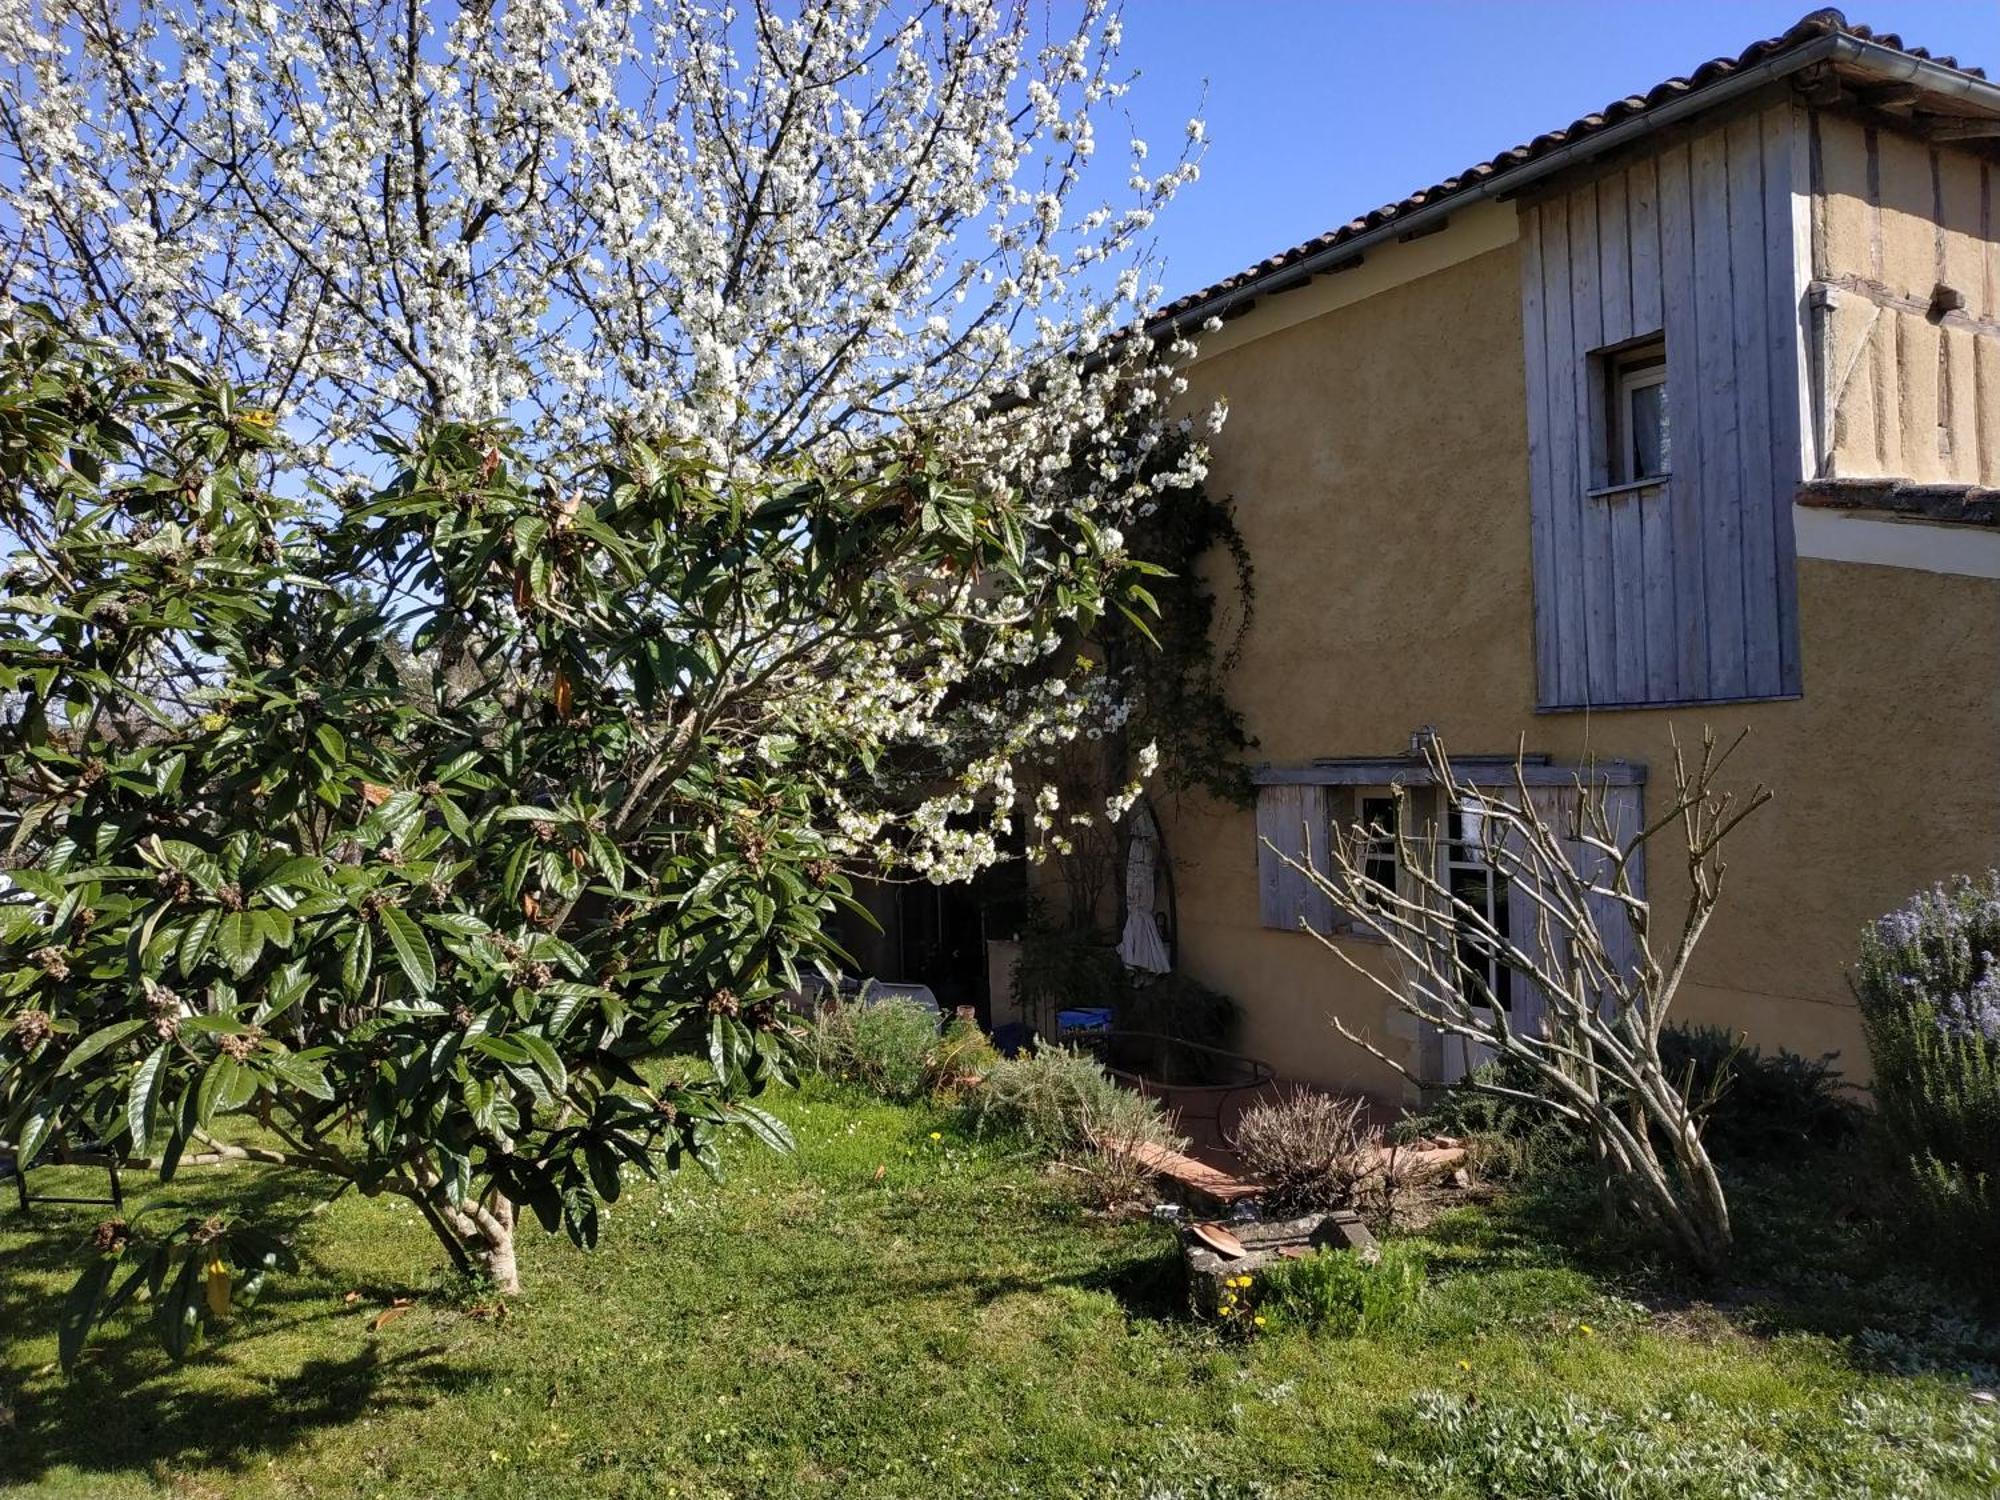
<point>1638,431</point>
<point>1364,821</point>
<point>1476,887</point>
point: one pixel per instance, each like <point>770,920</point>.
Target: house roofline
<point>1890,64</point>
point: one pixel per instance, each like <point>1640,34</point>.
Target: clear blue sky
<point>1319,110</point>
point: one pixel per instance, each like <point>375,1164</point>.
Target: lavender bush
<point>1929,987</point>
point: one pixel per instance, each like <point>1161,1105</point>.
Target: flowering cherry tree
<point>768,231</point>
<point>511,508</point>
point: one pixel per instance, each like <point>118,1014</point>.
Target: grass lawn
<point>896,1314</point>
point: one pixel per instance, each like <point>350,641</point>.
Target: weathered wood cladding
<point>1682,590</point>
<point>1906,306</point>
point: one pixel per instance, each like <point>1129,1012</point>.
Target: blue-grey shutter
<point>1292,823</point>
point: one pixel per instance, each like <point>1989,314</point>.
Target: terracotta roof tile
<point>1819,23</point>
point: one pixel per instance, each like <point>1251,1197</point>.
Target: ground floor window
<point>1468,874</point>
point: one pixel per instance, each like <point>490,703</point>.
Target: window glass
<point>1651,439</point>
<point>1475,883</point>
<point>1378,850</point>
<point>1636,443</point>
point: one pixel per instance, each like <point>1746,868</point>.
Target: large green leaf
<point>356,960</point>
<point>239,938</point>
<point>98,1041</point>
<point>413,949</point>
<point>545,1060</point>
<point>768,1128</point>
<point>142,1098</point>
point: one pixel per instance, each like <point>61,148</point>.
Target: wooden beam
<point>1889,96</point>
<point>1956,127</point>
<point>1476,772</point>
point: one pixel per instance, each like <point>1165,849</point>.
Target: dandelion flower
<point>1465,1364</point>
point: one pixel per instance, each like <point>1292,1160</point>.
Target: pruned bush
<point>1753,1106</point>
<point>1929,987</point>
<point>1344,1292</point>
<point>1605,962</point>
<point>1316,1151</point>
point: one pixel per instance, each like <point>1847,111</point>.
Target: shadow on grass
<point>1150,1285</point>
<point>1821,1248</point>
<point>127,1408</point>
<point>102,1421</point>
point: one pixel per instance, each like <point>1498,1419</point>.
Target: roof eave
<point>1889,63</point>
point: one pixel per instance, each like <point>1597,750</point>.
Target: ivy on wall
<point>1178,686</point>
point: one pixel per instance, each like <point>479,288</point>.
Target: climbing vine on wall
<point>1178,688</point>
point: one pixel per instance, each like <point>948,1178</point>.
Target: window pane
<point>1475,883</point>
<point>1378,854</point>
<point>1651,441</point>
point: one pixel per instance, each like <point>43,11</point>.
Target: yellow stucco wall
<point>1378,458</point>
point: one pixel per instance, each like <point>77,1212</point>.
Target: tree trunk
<point>486,1232</point>
<point>479,1237</point>
<point>494,1249</point>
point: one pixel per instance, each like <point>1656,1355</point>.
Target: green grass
<point>956,1327</point>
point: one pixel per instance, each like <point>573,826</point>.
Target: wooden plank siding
<point>1682,591</point>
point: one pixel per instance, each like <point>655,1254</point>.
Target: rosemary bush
<point>1929,987</point>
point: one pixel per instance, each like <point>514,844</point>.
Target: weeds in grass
<point>1345,1292</point>
<point>1691,1449</point>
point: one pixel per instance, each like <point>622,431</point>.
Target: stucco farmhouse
<point>1685,415</point>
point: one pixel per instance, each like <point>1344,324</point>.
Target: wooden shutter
<point>1292,822</point>
<point>1557,806</point>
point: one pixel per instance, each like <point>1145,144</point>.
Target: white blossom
<point>767,238</point>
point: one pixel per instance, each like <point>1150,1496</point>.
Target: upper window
<point>1640,436</point>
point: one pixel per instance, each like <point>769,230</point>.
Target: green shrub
<point>1175,1005</point>
<point>1344,1292</point>
<point>1929,987</point>
<point>884,1048</point>
<point>1752,1106</point>
<point>961,1057</point>
<point>1505,1136</point>
<point>894,1049</point>
<point>1064,1102</point>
